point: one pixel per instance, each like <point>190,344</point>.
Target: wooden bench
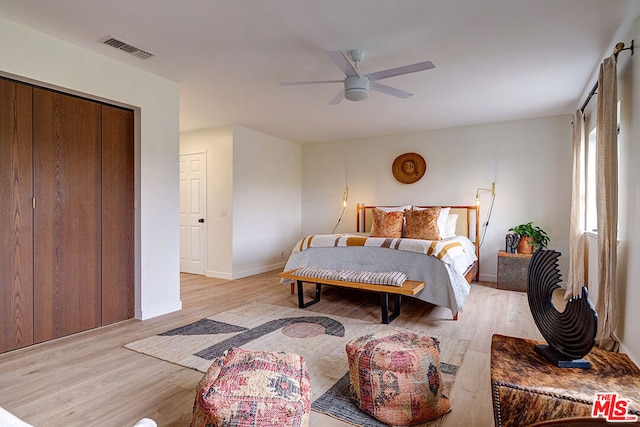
<point>409,287</point>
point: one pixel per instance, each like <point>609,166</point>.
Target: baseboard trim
<point>245,273</point>
<point>259,270</point>
<point>488,278</point>
<point>626,351</point>
<point>156,311</point>
<point>218,274</point>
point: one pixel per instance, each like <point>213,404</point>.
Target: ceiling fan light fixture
<point>356,88</point>
<point>357,85</point>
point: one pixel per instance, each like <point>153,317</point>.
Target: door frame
<point>202,155</point>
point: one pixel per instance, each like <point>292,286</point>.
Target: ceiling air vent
<point>127,47</point>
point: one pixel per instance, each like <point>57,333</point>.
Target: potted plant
<point>532,238</point>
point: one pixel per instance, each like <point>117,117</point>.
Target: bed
<point>446,259</point>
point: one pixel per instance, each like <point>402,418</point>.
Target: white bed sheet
<point>446,285</point>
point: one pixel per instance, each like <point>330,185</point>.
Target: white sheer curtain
<point>575,279</point>
<point>607,202</point>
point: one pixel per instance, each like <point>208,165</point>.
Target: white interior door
<point>193,241</point>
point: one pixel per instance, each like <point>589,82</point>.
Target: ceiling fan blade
<point>309,82</point>
<point>341,60</point>
<point>399,93</point>
<point>405,69</point>
<point>338,98</point>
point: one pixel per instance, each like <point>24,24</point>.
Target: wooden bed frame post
<point>477,242</point>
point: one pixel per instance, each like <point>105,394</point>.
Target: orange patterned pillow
<point>423,224</point>
<point>387,224</point>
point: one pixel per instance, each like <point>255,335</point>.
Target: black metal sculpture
<point>570,334</point>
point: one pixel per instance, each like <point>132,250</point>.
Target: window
<point>591,219</point>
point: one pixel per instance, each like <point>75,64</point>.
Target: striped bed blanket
<point>445,250</point>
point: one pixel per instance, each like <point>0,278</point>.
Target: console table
<point>527,389</point>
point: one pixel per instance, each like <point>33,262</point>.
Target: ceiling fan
<point>356,84</point>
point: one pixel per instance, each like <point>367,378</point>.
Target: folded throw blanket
<point>391,278</point>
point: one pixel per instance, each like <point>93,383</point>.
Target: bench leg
<point>301,302</point>
<point>384,305</point>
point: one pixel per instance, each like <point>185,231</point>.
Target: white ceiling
<point>496,60</point>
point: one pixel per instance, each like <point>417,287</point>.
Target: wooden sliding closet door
<point>67,214</point>
<point>16,216</point>
<point>117,215</point>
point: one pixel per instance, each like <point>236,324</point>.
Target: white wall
<point>253,199</point>
<point>267,199</point>
<point>629,194</point>
<point>529,160</point>
<point>34,57</point>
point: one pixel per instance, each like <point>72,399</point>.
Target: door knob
<point>201,220</point>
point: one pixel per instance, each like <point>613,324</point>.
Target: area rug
<point>319,338</point>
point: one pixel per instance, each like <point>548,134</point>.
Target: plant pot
<point>526,245</point>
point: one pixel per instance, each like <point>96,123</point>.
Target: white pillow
<point>7,419</point>
<point>442,222</point>
<point>452,220</point>
<point>393,208</point>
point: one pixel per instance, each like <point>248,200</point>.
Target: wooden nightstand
<point>513,270</point>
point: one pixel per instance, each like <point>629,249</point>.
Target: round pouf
<point>396,378</point>
<point>252,388</point>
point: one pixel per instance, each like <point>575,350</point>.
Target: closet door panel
<point>67,236</point>
<point>117,215</point>
<point>16,216</point>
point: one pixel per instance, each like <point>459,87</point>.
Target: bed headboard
<point>468,220</point>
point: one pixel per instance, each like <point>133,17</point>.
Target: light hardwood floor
<point>90,379</point>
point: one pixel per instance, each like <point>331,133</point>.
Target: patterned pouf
<point>249,388</point>
<point>396,378</point>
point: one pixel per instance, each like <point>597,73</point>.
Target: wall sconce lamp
<point>493,198</point>
<point>345,198</point>
<point>478,190</point>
